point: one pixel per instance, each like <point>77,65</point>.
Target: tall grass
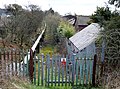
<point>47,50</point>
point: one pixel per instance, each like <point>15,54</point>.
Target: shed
<point>83,42</point>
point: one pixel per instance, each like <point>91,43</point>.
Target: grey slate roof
<point>2,11</point>
<point>82,20</point>
<point>86,36</point>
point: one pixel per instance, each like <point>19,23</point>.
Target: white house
<point>83,42</point>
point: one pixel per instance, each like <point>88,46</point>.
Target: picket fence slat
<point>34,72</point>
<point>15,63</point>
<point>4,62</point>
<point>73,68</point>
<point>58,70</point>
<point>48,69</point>
<point>62,74</point>
<point>55,69</point>
<point>79,82</point>
<point>19,63</point>
<point>0,62</point>
<point>66,73</point>
<point>8,70</point>
<point>82,71</point>
<point>87,62</point>
<point>23,65</point>
<point>42,73</point>
<point>12,61</point>
<point>91,68</point>
<point>38,70</point>
<point>27,69</point>
<point>52,71</point>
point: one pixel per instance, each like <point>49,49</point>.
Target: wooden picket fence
<point>65,70</point>
<point>11,64</point>
<point>47,70</point>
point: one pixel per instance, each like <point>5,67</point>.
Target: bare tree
<point>23,23</point>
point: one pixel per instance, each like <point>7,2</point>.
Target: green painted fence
<point>53,71</point>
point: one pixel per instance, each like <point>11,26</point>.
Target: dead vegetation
<point>113,80</point>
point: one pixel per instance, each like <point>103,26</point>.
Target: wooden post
<point>42,73</point>
<point>31,66</point>
<point>27,73</point>
<point>8,71</point>
<point>34,61</point>
<point>55,69</point>
<point>77,71</point>
<point>91,69</point>
<point>12,61</point>
<point>59,60</point>
<point>87,69</point>
<point>23,65</point>
<point>15,63</point>
<point>48,61</point>
<point>4,56</point>
<point>94,70</point>
<point>19,63</point>
<point>52,71</point>
<point>38,70</point>
<point>46,68</point>
<point>66,70</point>
<point>80,70</point>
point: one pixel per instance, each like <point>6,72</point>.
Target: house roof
<point>77,19</point>
<point>71,19</point>
<point>4,11</point>
<point>86,36</point>
<point>68,17</point>
<point>82,20</point>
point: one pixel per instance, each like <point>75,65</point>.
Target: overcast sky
<point>80,7</point>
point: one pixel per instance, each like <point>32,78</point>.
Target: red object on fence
<point>63,62</point>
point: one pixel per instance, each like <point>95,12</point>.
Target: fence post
<point>94,70</point>
<point>31,66</point>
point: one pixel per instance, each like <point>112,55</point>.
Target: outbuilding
<point>83,42</point>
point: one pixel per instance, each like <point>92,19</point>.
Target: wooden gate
<point>64,70</point>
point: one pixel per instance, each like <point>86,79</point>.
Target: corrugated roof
<point>86,36</point>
